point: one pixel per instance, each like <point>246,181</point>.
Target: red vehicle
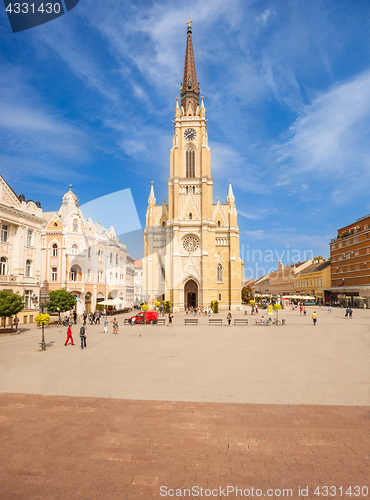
<point>145,317</point>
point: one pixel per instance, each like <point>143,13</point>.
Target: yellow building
<point>191,249</point>
<point>314,280</point>
<point>83,257</point>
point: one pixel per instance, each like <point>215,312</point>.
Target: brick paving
<point>56,447</point>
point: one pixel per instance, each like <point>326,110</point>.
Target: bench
<point>216,321</point>
<point>160,321</point>
<point>240,321</point>
<point>262,323</point>
<point>191,321</point>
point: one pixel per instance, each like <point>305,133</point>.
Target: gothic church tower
<point>191,246</point>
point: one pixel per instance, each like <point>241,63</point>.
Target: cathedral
<point>191,245</point>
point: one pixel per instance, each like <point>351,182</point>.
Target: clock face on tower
<point>190,134</point>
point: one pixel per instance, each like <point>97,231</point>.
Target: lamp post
<point>58,309</point>
<point>44,299</point>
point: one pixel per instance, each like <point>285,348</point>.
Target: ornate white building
<point>20,248</point>
<point>83,257</point>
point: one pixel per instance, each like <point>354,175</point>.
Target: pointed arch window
<point>190,216</point>
<point>218,223</point>
<point>163,274</point>
<point>54,251</point>
<point>28,268</point>
<point>74,249</point>
<point>219,273</point>
<point>190,163</point>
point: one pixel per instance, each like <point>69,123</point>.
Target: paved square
<point>182,407</point>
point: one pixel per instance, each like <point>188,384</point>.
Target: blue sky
<point>89,99</point>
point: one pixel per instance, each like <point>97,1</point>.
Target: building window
<point>28,268</point>
<point>219,296</point>
<point>116,259</point>
<point>54,250</point>
<point>74,249</point>
<point>320,282</point>
<point>218,223</point>
<point>89,252</point>
<point>163,224</point>
<point>3,266</point>
<point>190,216</point>
<point>89,275</point>
<point>348,255</point>
<point>190,163</point>
<point>73,274</point>
<point>355,239</point>
<point>29,237</point>
<point>27,299</point>
<point>162,274</point>
<point>4,233</point>
<point>219,274</point>
<point>347,243</point>
<point>111,258</point>
<point>54,274</point>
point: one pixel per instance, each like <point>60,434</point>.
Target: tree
<point>62,299</point>
<point>167,306</point>
<point>10,304</point>
<point>247,293</point>
<point>214,306</point>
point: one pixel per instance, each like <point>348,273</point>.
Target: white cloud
<point>332,134</point>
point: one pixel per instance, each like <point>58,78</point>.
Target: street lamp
<point>58,309</point>
<point>44,299</point>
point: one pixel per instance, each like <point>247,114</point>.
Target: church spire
<point>190,87</point>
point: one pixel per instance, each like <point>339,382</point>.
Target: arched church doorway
<point>191,294</point>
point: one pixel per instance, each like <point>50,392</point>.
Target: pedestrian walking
<point>106,325</point>
<point>300,309</point>
<point>84,317</point>
<point>329,309</point>
<point>314,318</point>
<point>69,336</point>
<point>115,326</point>
<point>304,311</point>
<point>75,317</point>
<point>83,336</point>
<point>170,317</point>
<point>350,312</point>
<point>228,318</point>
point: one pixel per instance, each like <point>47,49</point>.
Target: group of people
<point>202,311</point>
<point>94,317</point>
<point>83,331</point>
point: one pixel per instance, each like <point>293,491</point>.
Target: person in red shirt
<point>69,336</point>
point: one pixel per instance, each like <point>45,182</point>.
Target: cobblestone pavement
<point>195,407</point>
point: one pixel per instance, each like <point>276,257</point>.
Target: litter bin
<point>283,321</point>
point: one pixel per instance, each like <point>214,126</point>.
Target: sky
<point>88,99</point>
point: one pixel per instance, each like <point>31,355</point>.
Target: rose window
<point>190,243</point>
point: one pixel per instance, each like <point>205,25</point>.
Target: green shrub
<point>214,306</point>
